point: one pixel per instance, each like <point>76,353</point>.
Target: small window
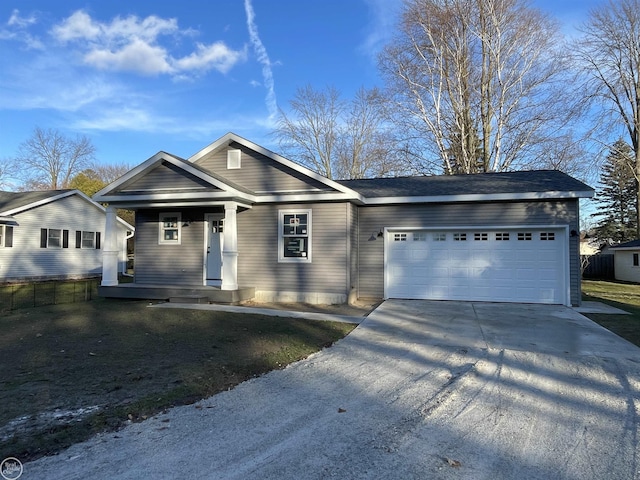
<point>523,236</point>
<point>234,158</point>
<point>480,237</point>
<point>420,237</point>
<point>502,236</point>
<point>88,240</point>
<point>295,236</point>
<point>54,238</point>
<point>6,236</point>
<point>170,228</point>
<point>400,237</point>
<point>439,237</point>
<point>459,237</point>
<point>636,260</point>
<point>549,236</point>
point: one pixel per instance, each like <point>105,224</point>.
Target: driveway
<point>425,390</point>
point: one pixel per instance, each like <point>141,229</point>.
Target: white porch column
<point>230,248</point>
<point>110,249</point>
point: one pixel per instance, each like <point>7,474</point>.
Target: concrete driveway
<point>425,390</point>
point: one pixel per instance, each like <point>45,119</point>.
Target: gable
<point>259,173</point>
<point>165,178</point>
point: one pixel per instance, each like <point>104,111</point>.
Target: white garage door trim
<point>564,287</point>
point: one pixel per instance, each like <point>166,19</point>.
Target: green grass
<point>624,296</point>
<point>129,362</point>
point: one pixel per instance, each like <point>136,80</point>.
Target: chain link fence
<point>37,294</point>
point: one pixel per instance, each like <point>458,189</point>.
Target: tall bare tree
<point>475,84</point>
<point>48,160</point>
<point>609,53</point>
<point>338,138</point>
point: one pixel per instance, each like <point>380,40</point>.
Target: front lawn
<point>69,371</point>
<point>621,295</point>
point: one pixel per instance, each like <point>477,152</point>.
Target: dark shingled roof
<point>536,181</point>
<point>631,244</point>
<point>13,200</point>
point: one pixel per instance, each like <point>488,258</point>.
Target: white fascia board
<point>7,220</point>
<point>194,197</point>
<point>488,197</point>
<point>317,197</point>
<point>146,165</point>
<point>212,203</point>
<point>232,137</point>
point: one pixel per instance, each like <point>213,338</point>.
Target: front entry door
<point>215,238</point>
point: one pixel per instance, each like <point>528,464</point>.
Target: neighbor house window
<point>6,236</point>
<point>170,228</point>
<point>294,239</point>
<point>54,238</point>
<point>636,260</point>
<point>90,240</point>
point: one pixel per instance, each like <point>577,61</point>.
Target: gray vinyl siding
<point>27,260</point>
<point>258,264</point>
<point>181,264</point>
<point>258,173</point>
<point>372,219</point>
<point>165,176</point>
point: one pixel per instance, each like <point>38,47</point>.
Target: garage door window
<point>502,236</point>
<point>480,237</point>
<point>439,237</point>
<point>400,237</point>
<point>459,237</point>
<point>524,236</point>
<point>420,237</point>
<point>547,236</point>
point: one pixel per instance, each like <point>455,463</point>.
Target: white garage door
<point>507,265</point>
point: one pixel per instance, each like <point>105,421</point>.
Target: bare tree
<point>48,160</point>
<point>475,84</point>
<point>609,53</point>
<point>336,138</point>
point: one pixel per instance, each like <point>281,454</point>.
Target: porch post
<point>230,248</point>
<point>110,250</point>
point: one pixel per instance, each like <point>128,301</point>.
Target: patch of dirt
<point>360,309</point>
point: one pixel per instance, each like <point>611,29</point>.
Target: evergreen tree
<point>617,211</point>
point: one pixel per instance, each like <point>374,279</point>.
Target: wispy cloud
<point>263,58</point>
<point>134,45</point>
<point>384,16</point>
<point>16,29</point>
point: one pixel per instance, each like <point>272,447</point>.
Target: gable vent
<point>233,159</point>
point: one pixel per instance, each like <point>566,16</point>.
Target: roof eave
<point>490,197</point>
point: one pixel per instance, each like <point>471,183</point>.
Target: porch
<point>176,293</point>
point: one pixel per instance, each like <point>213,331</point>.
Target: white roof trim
<point>8,220</point>
<point>232,137</point>
<point>158,158</point>
<point>478,197</point>
<point>158,195</point>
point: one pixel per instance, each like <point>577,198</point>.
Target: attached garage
<point>503,264</point>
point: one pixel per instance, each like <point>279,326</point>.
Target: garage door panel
<point>510,265</point>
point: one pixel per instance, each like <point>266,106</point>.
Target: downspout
<point>124,265</point>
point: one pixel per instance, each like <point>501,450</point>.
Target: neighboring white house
<point>54,234</point>
<point>627,261</point>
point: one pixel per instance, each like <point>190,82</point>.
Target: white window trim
<point>49,230</point>
<point>3,236</point>
<point>161,229</point>
<point>281,236</point>
<point>93,247</point>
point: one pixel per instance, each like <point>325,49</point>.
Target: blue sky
<point>137,77</point>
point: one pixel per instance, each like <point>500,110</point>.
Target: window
<point>294,238</point>
<point>400,237</point>
<point>420,237</point>
<point>502,236</point>
<point>547,236</point>
<point>89,240</point>
<point>524,236</point>
<point>234,158</point>
<point>6,236</point>
<point>439,237</point>
<point>480,237</point>
<point>54,238</point>
<point>459,237</point>
<point>170,224</point>
<point>636,261</point>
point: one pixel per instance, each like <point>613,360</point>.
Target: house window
<point>459,237</point>
<point>502,236</point>
<point>234,158</point>
<point>170,227</point>
<point>6,236</point>
<point>636,260</point>
<point>54,238</point>
<point>547,236</point>
<point>523,236</point>
<point>294,237</point>
<point>420,237</point>
<point>89,240</point>
<point>400,237</point>
<point>480,237</point>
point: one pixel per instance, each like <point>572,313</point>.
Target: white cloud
<point>134,45</point>
<point>384,15</point>
<point>263,58</point>
<point>18,21</point>
<point>16,29</point>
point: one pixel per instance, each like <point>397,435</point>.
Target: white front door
<point>214,239</point>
